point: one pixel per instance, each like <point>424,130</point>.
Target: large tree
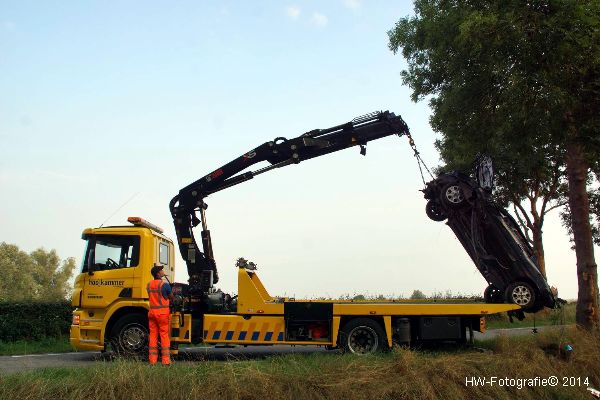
<point>520,80</point>
<point>594,197</point>
<point>39,275</point>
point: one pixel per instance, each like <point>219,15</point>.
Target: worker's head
<point>157,271</point>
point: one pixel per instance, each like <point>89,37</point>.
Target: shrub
<point>34,320</point>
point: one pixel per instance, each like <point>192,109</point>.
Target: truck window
<point>163,254</point>
<point>112,252</point>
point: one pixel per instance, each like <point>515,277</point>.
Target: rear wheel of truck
<point>129,336</point>
<point>363,336</point>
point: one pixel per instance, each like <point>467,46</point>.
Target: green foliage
<point>502,75</point>
<point>417,295</point>
<point>39,275</point>
<point>34,320</point>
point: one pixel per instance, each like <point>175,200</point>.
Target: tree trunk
<point>587,274</point>
<point>538,248</point>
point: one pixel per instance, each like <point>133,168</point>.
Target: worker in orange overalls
<point>159,295</point>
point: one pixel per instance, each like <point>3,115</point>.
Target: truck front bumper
<point>87,334</point>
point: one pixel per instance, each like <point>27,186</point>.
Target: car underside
<point>493,240</point>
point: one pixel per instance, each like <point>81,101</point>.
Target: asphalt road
<point>13,364</point>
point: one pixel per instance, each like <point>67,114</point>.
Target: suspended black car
<point>491,237</point>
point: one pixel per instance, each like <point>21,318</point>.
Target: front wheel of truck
<point>129,336</point>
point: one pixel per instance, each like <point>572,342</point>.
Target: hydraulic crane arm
<point>279,152</point>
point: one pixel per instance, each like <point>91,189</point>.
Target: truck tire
<point>362,336</point>
<point>129,336</point>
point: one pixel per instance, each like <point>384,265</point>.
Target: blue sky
<point>101,102</point>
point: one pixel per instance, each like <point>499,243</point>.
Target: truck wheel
<point>521,293</point>
<point>129,336</point>
<point>452,195</point>
<point>362,336</point>
<point>434,211</point>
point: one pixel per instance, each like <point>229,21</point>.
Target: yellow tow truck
<point>111,302</point>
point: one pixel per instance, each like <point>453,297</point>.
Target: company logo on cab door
<point>106,282</point>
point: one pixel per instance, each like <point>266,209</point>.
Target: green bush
<point>34,320</point>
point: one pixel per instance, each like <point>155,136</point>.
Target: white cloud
<point>293,12</point>
<point>319,19</point>
<point>352,4</point>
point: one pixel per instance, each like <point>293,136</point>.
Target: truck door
<point>109,263</point>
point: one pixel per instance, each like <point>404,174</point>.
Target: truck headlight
<point>76,319</point>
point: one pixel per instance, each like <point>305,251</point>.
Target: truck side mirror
<point>90,262</point>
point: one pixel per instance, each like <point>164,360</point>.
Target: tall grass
<point>401,374</point>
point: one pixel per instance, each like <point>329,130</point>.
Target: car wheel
<point>452,195</point>
<point>129,336</point>
<point>363,336</point>
<point>492,294</point>
<point>434,211</point>
<point>522,294</point>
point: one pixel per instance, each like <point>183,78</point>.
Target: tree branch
<point>522,223</point>
<point>557,205</point>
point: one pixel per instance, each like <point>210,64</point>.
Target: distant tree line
<point>34,293</point>
<point>40,275</point>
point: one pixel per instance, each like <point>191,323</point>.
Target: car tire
<point>522,294</point>
<point>492,294</point>
<point>362,336</point>
<point>434,211</point>
<point>129,336</point>
<point>452,195</point>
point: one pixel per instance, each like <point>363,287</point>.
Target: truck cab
<point>109,293</point>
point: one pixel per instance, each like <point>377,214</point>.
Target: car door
<point>110,260</point>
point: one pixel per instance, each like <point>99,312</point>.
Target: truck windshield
<point>111,252</point>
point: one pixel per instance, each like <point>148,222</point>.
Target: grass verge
<point>559,316</point>
<point>47,345</point>
<point>401,374</point>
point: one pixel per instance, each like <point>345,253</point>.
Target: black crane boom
<point>278,152</point>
